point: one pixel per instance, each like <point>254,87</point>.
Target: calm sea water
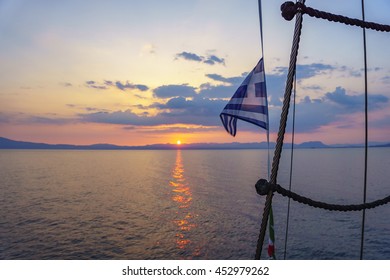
<point>185,204</point>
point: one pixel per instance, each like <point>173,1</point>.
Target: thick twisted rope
<point>263,188</point>
<point>289,9</point>
<point>282,130</point>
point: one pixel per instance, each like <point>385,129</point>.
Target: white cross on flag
<point>249,102</point>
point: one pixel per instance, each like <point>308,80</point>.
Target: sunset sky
<point>141,72</point>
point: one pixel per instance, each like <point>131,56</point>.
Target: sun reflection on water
<point>183,197</point>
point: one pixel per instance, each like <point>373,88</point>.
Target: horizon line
<point>7,143</point>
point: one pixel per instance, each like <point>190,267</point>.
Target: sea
<point>187,204</point>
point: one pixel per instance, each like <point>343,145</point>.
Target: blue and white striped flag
<point>249,102</point>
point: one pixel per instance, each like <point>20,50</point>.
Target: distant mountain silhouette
<point>6,143</point>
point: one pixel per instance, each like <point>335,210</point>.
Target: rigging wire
<point>266,103</point>
<point>365,133</point>
<point>291,162</point>
<point>262,55</point>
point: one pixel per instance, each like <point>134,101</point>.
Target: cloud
<point>185,105</point>
<point>212,59</point>
<point>66,84</point>
<point>275,86</point>
<point>226,90</point>
<point>128,85</point>
<point>119,117</point>
<point>196,111</point>
<point>4,118</point>
<point>95,85</point>
<point>305,71</point>
<point>45,119</point>
<point>148,49</point>
<point>200,106</point>
<point>168,91</point>
<point>119,85</point>
<point>217,91</point>
<point>48,121</point>
<point>386,79</point>
<point>178,129</point>
<point>352,103</point>
<point>334,106</point>
<point>175,103</point>
<point>199,110</point>
<point>209,59</point>
<point>230,80</point>
<point>189,56</point>
<point>312,87</point>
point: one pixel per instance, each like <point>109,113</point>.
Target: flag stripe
<point>247,108</point>
<point>260,101</point>
<point>247,115</point>
<point>241,92</point>
<point>260,90</point>
<point>257,122</point>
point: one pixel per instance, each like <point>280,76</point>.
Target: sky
<point>145,72</point>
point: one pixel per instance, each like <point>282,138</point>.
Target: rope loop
<point>289,9</point>
<point>263,187</point>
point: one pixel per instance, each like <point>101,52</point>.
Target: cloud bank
<point>201,105</point>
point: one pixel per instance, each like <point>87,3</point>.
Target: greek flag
<point>249,102</point>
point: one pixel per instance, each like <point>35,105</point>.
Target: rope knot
<point>289,9</point>
<point>263,187</point>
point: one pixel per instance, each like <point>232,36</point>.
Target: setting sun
<point>178,142</point>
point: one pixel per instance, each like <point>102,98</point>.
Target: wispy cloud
<point>29,119</point>
<point>208,59</point>
<point>212,59</point>
<point>229,80</point>
<point>66,84</point>
<point>95,85</point>
<point>386,79</point>
<point>85,108</point>
<point>305,71</point>
<point>185,129</point>
<point>148,49</point>
<point>189,56</point>
<point>127,85</point>
<point>106,84</point>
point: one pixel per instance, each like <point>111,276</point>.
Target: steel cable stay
<point>291,165</point>
<point>365,134</point>
<point>263,187</point>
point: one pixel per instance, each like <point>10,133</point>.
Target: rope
<point>263,187</point>
<point>289,9</point>
<point>282,129</point>
<point>365,134</point>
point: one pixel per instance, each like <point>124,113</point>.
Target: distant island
<point>6,143</point>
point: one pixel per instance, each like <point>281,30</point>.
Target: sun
<point>178,142</point>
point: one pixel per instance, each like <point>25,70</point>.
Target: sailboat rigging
<point>245,106</point>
